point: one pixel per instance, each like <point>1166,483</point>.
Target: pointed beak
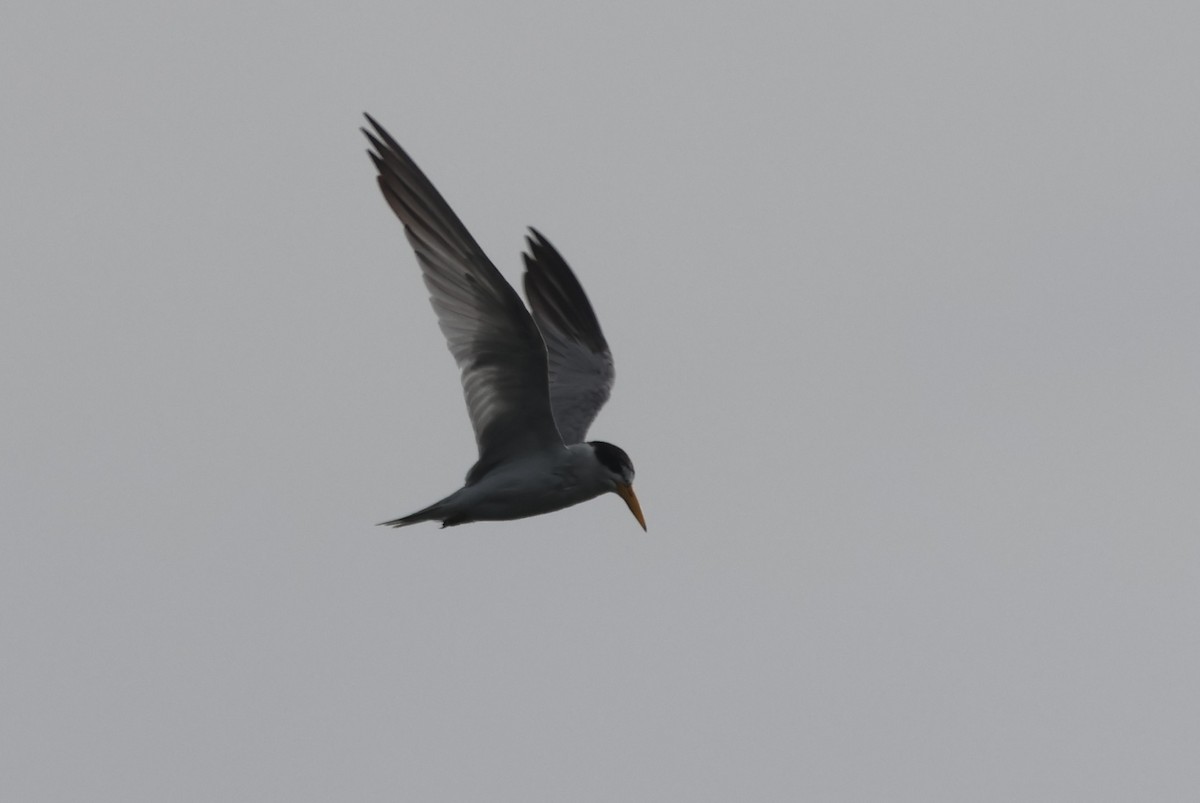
<point>626,493</point>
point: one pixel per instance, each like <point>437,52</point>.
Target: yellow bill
<point>626,493</point>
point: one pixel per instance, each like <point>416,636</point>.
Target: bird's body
<point>529,485</point>
<point>533,383</point>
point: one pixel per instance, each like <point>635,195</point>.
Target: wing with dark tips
<point>495,342</point>
<point>581,365</point>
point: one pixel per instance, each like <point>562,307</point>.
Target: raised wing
<point>581,366</point>
<point>493,339</point>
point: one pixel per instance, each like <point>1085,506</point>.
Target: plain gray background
<point>904,302</point>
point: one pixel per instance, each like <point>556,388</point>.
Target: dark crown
<point>612,458</point>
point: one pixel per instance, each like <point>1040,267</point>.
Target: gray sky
<point>904,306</point>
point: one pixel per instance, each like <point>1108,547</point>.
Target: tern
<point>533,383</point>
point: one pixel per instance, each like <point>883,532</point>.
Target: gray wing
<point>581,366</point>
<point>493,339</point>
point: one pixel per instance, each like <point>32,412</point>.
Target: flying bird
<point>533,383</point>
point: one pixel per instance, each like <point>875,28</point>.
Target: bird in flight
<point>533,383</point>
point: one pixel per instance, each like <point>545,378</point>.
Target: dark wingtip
<point>533,239</point>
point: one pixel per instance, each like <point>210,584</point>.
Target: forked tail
<point>428,514</point>
<point>438,511</point>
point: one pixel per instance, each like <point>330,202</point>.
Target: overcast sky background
<point>904,302</point>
